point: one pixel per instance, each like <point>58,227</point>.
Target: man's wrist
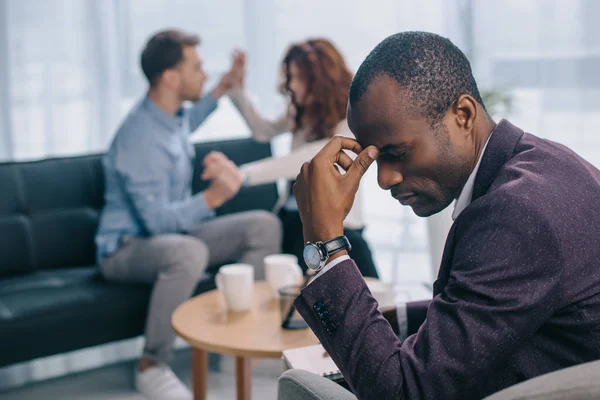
<point>323,235</point>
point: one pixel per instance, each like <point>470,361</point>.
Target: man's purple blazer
<point>517,295</point>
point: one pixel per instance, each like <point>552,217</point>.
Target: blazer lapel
<point>500,149</point>
<point>447,256</point>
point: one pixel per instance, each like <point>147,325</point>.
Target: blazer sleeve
<point>505,282</point>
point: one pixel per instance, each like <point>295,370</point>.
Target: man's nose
<point>388,176</point>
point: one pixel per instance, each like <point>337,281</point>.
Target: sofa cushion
<point>44,292</point>
<point>55,311</point>
<point>64,237</point>
<point>63,183</point>
<point>11,201</point>
<point>49,213</point>
<point>49,312</point>
<point>15,243</point>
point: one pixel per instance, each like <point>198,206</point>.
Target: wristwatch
<point>316,254</point>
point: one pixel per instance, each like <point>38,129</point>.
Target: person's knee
<point>265,228</point>
<point>191,257</point>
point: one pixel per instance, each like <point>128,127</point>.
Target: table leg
<point>243,372</point>
<point>199,373</point>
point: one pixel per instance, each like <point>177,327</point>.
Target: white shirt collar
<point>464,199</point>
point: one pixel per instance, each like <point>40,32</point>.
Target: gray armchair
<point>297,384</point>
<point>581,382</point>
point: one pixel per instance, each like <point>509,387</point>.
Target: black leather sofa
<point>52,297</point>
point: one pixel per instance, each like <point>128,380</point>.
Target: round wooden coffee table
<point>205,324</point>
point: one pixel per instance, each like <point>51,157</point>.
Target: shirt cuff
<point>328,266</point>
<point>402,321</point>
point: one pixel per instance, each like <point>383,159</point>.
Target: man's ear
<point>465,112</point>
<point>170,78</point>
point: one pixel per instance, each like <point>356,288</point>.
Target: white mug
<point>282,270</point>
<point>235,282</point>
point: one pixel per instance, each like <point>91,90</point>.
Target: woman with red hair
<point>316,80</point>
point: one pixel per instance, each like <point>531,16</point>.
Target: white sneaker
<point>160,383</point>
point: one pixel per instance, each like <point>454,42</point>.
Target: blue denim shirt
<point>148,174</point>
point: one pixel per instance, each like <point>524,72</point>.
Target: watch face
<point>312,256</point>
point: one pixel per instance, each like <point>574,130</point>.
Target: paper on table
<point>313,359</point>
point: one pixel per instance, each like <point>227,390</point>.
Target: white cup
<point>282,270</point>
<point>235,282</point>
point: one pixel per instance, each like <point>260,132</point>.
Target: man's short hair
<point>163,51</point>
<point>431,70</point>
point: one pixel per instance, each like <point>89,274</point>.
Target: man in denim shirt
<point>152,229</point>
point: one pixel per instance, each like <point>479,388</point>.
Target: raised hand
<point>325,195</point>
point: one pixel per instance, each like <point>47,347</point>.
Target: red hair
<point>328,78</point>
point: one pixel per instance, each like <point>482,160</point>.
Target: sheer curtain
<point>72,67</point>
<point>5,120</point>
<point>548,60</point>
<point>64,88</point>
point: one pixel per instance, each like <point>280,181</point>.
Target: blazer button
<point>318,306</point>
<point>330,328</point>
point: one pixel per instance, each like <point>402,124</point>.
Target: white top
<point>287,167</point>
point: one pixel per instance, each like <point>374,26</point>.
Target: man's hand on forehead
<point>324,195</point>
